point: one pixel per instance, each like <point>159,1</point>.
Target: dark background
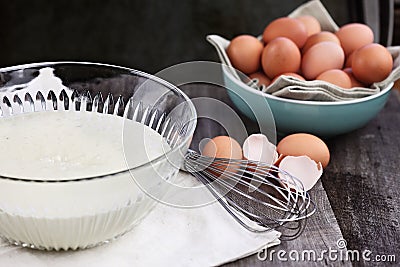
<point>154,34</point>
<point>146,35</point>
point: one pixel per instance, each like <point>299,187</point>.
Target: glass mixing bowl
<point>81,212</point>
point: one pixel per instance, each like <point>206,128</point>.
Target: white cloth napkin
<point>168,236</point>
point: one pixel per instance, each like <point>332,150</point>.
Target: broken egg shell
<point>306,170</point>
<point>257,147</point>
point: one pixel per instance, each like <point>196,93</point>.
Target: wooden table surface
<point>358,197</point>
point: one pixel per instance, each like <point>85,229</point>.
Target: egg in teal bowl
<point>324,119</point>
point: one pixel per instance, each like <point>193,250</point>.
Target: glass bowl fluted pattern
<point>81,213</point>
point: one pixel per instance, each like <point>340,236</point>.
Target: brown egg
<point>349,60</point>
<point>320,37</point>
<point>292,74</point>
<point>337,77</point>
<point>353,80</point>
<point>290,28</point>
<point>353,36</point>
<point>223,147</point>
<point>262,78</point>
<point>372,63</point>
<point>311,23</point>
<point>244,52</point>
<point>279,56</point>
<point>321,57</point>
<point>302,144</point>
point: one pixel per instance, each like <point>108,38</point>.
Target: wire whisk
<point>259,196</point>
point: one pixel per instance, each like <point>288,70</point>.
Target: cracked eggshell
<point>303,168</point>
<point>257,147</point>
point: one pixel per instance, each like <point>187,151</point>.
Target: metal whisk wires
<point>258,195</point>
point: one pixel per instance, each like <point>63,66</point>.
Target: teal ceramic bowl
<point>324,119</point>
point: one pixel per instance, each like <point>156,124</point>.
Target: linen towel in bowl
<point>288,87</point>
<point>168,236</point>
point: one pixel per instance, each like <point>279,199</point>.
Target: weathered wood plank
<point>362,182</point>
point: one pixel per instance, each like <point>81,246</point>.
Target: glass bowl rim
<point>170,86</point>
